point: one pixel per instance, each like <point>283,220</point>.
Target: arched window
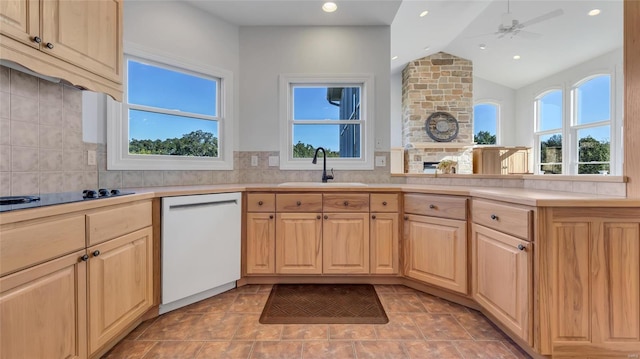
<point>548,115</point>
<point>485,123</point>
<point>591,125</point>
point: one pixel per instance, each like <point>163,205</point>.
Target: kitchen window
<point>548,114</point>
<point>333,112</point>
<point>174,116</point>
<point>485,123</point>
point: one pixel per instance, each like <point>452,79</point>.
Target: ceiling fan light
<point>329,7</point>
<point>482,46</point>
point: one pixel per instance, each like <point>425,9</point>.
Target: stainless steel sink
<point>320,184</point>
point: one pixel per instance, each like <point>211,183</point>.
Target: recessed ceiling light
<point>594,12</point>
<point>426,48</point>
<point>329,7</point>
<point>394,58</point>
<point>424,13</point>
<point>482,46</point>
<point>516,57</point>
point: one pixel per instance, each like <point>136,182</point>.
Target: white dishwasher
<point>200,247</point>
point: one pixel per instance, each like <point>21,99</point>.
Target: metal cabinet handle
<point>96,253</point>
<point>49,45</point>
<point>373,216</point>
<point>346,203</point>
<point>326,217</point>
<point>37,39</point>
<point>271,216</point>
<point>494,217</point>
<point>298,203</point>
<point>384,203</point>
<point>260,203</point>
<point>521,247</point>
<point>406,218</point>
<point>432,206</point>
<point>318,217</point>
<point>84,258</point>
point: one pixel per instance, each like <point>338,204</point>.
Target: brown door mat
<point>323,304</point>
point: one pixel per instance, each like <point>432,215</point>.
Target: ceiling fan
<point>511,27</point>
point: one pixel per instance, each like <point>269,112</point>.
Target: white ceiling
<point>456,27</point>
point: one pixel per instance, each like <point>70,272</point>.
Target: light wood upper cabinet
<point>436,251</point>
<point>261,243</point>
<point>502,278</point>
<point>590,274</point>
<point>43,310</point>
<point>120,285</point>
<point>298,243</point>
<point>78,41</point>
<point>345,243</point>
<point>85,33</point>
<point>20,19</point>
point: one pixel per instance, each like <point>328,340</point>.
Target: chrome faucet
<point>325,176</point>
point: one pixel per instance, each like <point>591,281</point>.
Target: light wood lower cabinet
<point>345,243</point>
<point>261,243</point>
<point>590,277</point>
<point>299,243</point>
<point>502,278</point>
<point>383,242</point>
<point>120,285</point>
<point>436,251</point>
<point>43,310</point>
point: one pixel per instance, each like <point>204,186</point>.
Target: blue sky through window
<point>485,117</point>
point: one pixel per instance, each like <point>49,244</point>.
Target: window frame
<point>570,127</point>
<point>366,121</point>
<point>118,157</point>
<point>498,106</point>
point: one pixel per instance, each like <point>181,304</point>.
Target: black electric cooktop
<point>49,199</point>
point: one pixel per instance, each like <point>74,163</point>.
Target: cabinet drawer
<point>384,202</point>
<point>120,220</point>
<point>261,202</point>
<point>299,202</point>
<point>32,242</point>
<point>343,202</point>
<point>436,206</point>
<point>503,217</point>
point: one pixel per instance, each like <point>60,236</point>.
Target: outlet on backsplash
<point>91,158</point>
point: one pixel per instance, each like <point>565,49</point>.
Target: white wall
<point>396,110</point>
<point>180,31</point>
<point>608,63</point>
<point>488,91</point>
<point>267,52</point>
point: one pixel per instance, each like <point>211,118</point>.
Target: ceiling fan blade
<point>544,17</point>
<point>481,35</point>
<point>529,35</point>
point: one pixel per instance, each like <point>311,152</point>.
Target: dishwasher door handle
<point>203,204</point>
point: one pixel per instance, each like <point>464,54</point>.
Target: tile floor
<point>226,326</point>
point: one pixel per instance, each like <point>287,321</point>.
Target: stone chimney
<point>437,83</point>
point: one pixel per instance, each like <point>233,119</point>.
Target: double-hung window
<point>332,112</point>
<point>173,117</point>
<point>548,112</point>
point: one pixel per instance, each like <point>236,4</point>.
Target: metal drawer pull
<point>406,218</point>
<point>384,203</point>
<point>84,258</point>
<point>96,253</point>
<point>432,206</point>
<point>373,216</point>
<point>49,45</point>
<point>318,217</point>
<point>298,203</point>
<point>271,216</point>
<point>521,247</point>
<point>326,217</point>
<point>494,217</point>
<point>346,203</point>
<point>260,203</point>
<point>37,39</point>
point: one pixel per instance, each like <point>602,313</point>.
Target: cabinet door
<point>518,162</point>
<point>43,310</point>
<point>492,161</point>
<point>120,285</point>
<point>384,243</point>
<point>20,19</point>
<point>437,251</point>
<point>261,243</point>
<point>345,243</point>
<point>502,278</point>
<point>85,33</point>
<point>298,243</point>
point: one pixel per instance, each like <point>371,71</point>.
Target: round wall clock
<point>442,127</point>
